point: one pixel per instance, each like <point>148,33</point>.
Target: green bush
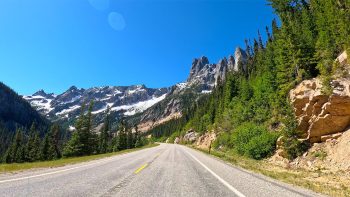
<point>243,134</point>
<point>254,141</point>
<point>294,147</point>
<point>261,146</point>
<point>224,139</point>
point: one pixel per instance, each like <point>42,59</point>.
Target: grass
<point>320,154</point>
<point>331,184</point>
<point>7,168</point>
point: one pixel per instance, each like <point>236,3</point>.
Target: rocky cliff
<point>203,77</point>
<point>321,116</point>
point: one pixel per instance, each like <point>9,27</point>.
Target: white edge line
<point>64,170</point>
<point>55,172</point>
<point>234,190</point>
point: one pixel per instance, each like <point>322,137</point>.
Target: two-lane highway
<point>165,170</point>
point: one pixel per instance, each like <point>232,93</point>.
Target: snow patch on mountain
<point>66,111</point>
<point>206,91</point>
<point>138,107</point>
<point>72,100</point>
<point>181,86</point>
<point>40,103</point>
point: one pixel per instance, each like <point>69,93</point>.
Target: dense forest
<point>250,109</point>
<point>15,112</point>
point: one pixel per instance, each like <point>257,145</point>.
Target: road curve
<point>165,170</point>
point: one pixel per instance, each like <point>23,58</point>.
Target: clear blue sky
<point>54,44</point>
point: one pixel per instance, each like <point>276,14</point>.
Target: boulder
<point>177,140</point>
<point>190,136</point>
<point>319,114</point>
<point>206,140</point>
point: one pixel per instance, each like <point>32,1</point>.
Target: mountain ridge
<point>135,100</point>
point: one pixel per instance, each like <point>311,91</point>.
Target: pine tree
<point>74,147</point>
<point>48,149</point>
<point>33,145</point>
<point>92,138</point>
<point>261,44</point>
<point>130,138</point>
<point>55,134</point>
<point>84,140</point>
<point>16,152</point>
<point>138,141</point>
<point>104,142</point>
<point>122,136</point>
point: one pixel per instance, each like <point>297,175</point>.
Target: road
<point>165,170</point>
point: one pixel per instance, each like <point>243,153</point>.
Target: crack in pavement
<point>117,188</point>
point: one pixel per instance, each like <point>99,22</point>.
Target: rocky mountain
<point>146,106</point>
<point>203,77</point>
<point>122,100</point>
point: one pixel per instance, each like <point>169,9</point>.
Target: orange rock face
<point>319,114</point>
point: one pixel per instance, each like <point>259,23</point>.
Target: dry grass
<point>5,168</point>
<point>332,184</point>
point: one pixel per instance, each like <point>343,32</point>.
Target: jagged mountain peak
<point>42,93</point>
<point>123,101</point>
<point>241,60</point>
<point>231,62</point>
<point>73,89</point>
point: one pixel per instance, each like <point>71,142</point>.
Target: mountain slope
<point>122,100</point>
<point>15,112</point>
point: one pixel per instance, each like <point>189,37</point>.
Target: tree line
<point>83,141</point>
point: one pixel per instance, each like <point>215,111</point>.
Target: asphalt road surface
<point>165,170</point>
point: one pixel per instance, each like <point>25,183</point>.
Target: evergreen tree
<point>74,146</point>
<point>104,139</point>
<point>48,149</point>
<point>16,152</point>
<point>33,145</point>
<point>130,139</point>
<point>122,136</point>
<point>84,140</point>
<point>138,141</point>
<point>55,134</point>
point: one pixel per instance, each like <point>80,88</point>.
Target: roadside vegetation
<point>13,167</point>
<point>328,183</point>
<point>84,141</point>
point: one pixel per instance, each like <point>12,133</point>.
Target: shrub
<point>291,143</point>
<point>254,141</point>
<point>223,140</point>
<point>261,146</point>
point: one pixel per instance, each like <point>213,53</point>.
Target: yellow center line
<point>144,165</point>
<point>141,168</point>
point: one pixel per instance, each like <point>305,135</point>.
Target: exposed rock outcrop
<point>197,67</point>
<point>206,140</point>
<point>241,60</point>
<point>202,72</point>
<point>331,155</point>
<point>320,116</point>
<point>190,136</point>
